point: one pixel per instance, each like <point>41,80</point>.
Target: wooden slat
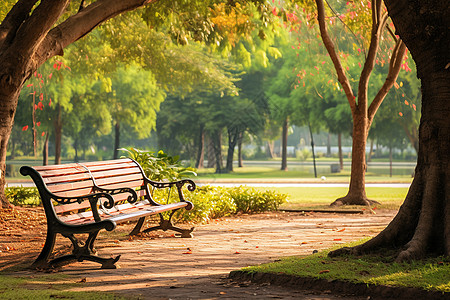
<point>55,188</point>
<point>67,178</point>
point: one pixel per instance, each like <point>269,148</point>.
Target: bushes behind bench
<point>209,202</point>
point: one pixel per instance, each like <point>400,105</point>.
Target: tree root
<point>421,227</point>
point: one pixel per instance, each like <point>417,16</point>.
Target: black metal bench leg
<point>168,225</point>
<point>79,253</point>
<point>138,227</point>
<point>42,261</point>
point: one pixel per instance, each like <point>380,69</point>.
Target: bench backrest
<point>77,179</point>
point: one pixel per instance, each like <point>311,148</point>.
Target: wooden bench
<point>84,198</point>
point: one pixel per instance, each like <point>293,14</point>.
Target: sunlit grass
<point>53,286</point>
<point>431,274</point>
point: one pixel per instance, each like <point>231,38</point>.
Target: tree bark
<point>341,158</point>
<point>57,123</point>
<point>422,226</point>
<point>45,151</point>
<point>217,146</point>
<point>284,138</point>
<point>210,153</point>
<point>240,156</point>
<point>201,149</point>
<point>116,140</point>
<point>357,191</point>
<point>233,136</point>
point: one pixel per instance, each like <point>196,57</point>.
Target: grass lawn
<point>54,286</point>
<point>322,197</point>
<point>432,274</point>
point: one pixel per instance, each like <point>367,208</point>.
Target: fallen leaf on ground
<point>324,271</point>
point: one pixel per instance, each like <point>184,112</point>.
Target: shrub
<point>160,166</point>
<point>215,202</point>
<point>23,196</point>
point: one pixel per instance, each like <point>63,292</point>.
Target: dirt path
<point>173,268</point>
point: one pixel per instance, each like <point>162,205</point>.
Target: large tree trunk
<point>422,225</point>
<point>8,104</point>
<point>284,138</point>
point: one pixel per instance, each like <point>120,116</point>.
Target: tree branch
<point>15,17</point>
<point>328,43</point>
<point>31,33</point>
<point>80,24</point>
<point>378,23</point>
<point>394,69</point>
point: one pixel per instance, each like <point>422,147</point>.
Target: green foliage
<point>215,202</point>
<point>160,166</point>
<point>249,200</point>
<point>23,196</point>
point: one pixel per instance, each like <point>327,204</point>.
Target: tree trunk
<point>8,104</point>
<point>422,225</point>
<point>75,147</point>
<point>357,189</point>
<point>233,136</point>
<point>201,149</point>
<point>369,157</point>
<point>269,151</point>
<point>116,140</point>
<point>45,151</point>
<point>341,158</point>
<point>210,153</point>
<point>312,148</point>
<point>329,145</point>
<point>217,145</point>
<point>284,138</point>
<point>240,158</point>
<point>57,123</point>
<point>390,161</point>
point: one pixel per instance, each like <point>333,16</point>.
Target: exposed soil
<point>162,266</point>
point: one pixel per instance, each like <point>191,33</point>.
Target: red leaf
<point>41,97</point>
<point>400,114</point>
<point>35,107</point>
<point>324,271</point>
<point>50,102</point>
<point>30,84</point>
<point>24,128</point>
<point>40,105</point>
<point>50,76</point>
<point>337,240</point>
<point>43,133</point>
<point>237,252</point>
<point>38,124</point>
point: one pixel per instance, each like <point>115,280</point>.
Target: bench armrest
<point>131,199</point>
<point>179,185</point>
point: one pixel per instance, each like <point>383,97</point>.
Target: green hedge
<point>215,202</point>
